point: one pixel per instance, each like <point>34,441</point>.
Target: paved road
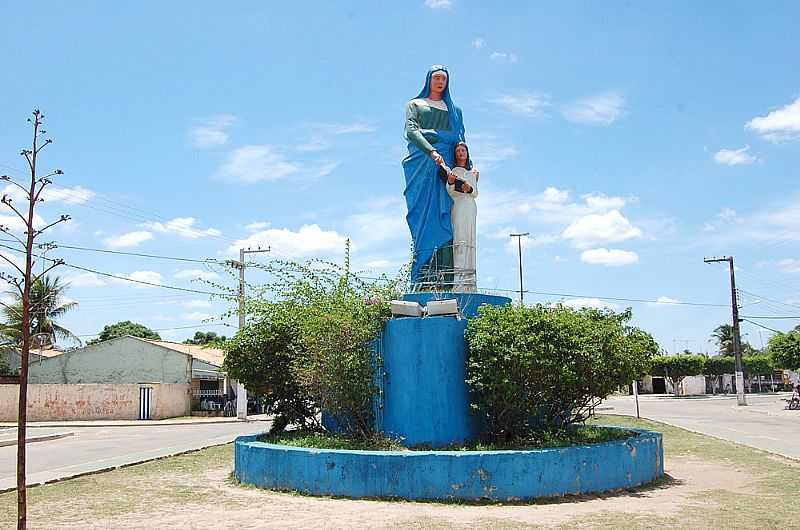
<point>763,424</point>
<point>95,448</point>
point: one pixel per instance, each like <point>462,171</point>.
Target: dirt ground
<point>709,484</point>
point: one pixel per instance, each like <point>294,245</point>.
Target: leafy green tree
<point>209,337</point>
<point>48,303</point>
<point>126,327</point>
<point>676,368</point>
<point>716,366</point>
<point>759,364</point>
<point>785,349</point>
<point>544,368</point>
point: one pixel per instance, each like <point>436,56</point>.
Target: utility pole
<point>519,246</point>
<point>737,340</point>
<point>241,391</point>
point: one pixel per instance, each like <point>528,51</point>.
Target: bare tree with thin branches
<point>23,280</point>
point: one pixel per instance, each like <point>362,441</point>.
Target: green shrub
<point>309,348</point>
<point>545,368</point>
<point>260,357</point>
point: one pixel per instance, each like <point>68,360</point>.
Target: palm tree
<point>723,336</point>
<point>47,305</point>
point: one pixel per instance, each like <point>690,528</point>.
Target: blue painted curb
<point>450,475</point>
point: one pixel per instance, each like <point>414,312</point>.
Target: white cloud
<point>734,157</point>
<point>590,303</point>
<point>258,225</point>
<point>76,195</point>
<point>788,265</point>
<point>130,239</point>
<point>285,243</point>
<point>214,132</point>
<point>529,241</point>
<point>16,224</point>
<point>196,304</point>
<point>322,170</point>
<point>528,104</point>
<point>609,258</point>
<point>778,125</point>
<point>503,57</point>
<point>196,316</point>
<point>593,229</point>
<point>184,227</point>
<point>478,43</point>
<point>191,274</point>
<point>258,163</point>
<point>16,259</point>
<point>86,279</point>
<point>602,109</point>
<point>439,4</point>
<point>383,220</point>
<point>486,150</point>
<point>139,276</point>
<point>664,300</point>
<point>356,127</point>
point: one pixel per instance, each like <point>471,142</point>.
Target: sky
<point>631,139</point>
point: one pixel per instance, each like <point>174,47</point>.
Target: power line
<point>170,329</point>
<point>761,326</point>
<point>141,254</point>
<point>123,278</point>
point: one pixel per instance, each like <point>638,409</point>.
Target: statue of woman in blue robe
<point>433,127</point>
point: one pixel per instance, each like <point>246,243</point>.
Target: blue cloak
<point>426,197</point>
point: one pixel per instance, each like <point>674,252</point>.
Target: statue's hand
<point>437,158</point>
<point>466,188</point>
<point>451,178</point>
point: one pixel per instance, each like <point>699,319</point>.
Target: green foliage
<point>47,305</point>
<point>126,327</point>
<point>719,365</point>
<point>723,337</point>
<point>544,368</point>
<point>206,338</point>
<point>581,435</point>
<point>5,369</point>
<point>785,349</point>
<point>677,367</point>
<point>758,364</point>
<point>311,338</point>
<point>260,356</point>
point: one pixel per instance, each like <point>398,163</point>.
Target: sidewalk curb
<point>33,439</point>
<point>133,423</point>
<point>112,468</point>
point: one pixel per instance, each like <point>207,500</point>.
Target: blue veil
<point>426,197</point>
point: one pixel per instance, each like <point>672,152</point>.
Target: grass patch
<point>582,435</point>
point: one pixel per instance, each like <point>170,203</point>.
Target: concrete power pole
<point>519,245</point>
<point>241,391</point>
<point>737,339</point>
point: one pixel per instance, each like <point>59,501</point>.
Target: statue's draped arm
<point>414,130</point>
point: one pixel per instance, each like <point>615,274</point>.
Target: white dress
<point>464,214</point>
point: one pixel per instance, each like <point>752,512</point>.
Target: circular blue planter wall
<point>442,475</point>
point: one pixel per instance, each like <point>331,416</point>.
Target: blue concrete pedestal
<point>425,398</point>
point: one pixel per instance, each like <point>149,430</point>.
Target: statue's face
<point>438,82</point>
<point>461,155</point>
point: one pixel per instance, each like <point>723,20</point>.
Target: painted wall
<point>93,402</point>
<point>425,398</point>
<point>124,360</point>
<point>469,475</point>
